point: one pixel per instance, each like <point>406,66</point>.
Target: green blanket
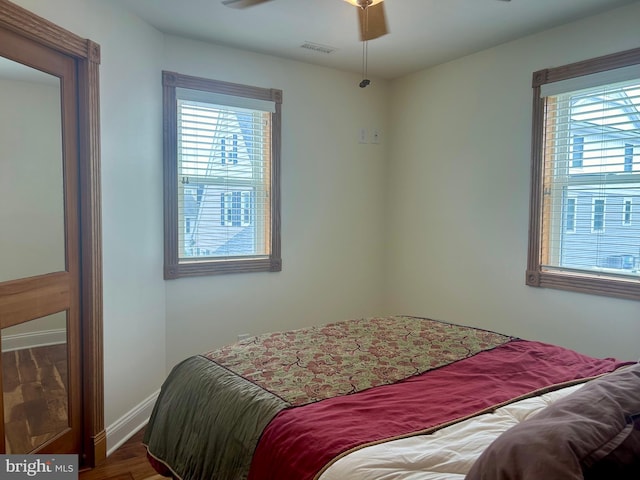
<point>206,420</point>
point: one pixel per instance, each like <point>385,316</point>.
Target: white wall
<point>131,135</point>
<point>31,225</point>
<point>333,196</point>
<point>460,194</point>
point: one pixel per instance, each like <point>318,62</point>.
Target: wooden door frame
<point>87,58</point>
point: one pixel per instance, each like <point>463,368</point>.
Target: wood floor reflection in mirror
<point>34,385</point>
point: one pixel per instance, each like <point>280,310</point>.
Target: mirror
<point>34,382</point>
<point>34,353</point>
<point>31,175</point>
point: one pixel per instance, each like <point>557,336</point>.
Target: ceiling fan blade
<point>242,3</point>
<point>372,20</point>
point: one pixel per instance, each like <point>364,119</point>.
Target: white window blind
<point>591,177</point>
<point>223,176</point>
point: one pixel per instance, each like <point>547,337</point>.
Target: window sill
<point>223,266</point>
<point>596,284</point>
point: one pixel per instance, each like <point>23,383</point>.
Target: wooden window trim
<point>536,275</point>
<point>173,268</point>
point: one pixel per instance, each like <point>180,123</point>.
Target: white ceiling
<point>423,33</point>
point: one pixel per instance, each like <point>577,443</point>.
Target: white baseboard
<point>42,338</point>
<point>126,426</point>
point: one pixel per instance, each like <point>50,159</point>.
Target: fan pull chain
<point>365,52</point>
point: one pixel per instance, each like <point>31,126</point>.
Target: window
<point>586,128</point>
<point>578,151</point>
<point>628,157</point>
<point>570,215</point>
<point>246,205</point>
<point>597,215</point>
<point>626,211</point>
<point>222,169</point>
<point>236,209</point>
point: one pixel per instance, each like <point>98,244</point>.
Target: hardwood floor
<point>129,462</point>
<point>34,385</point>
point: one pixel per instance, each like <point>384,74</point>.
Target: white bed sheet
<point>446,454</point>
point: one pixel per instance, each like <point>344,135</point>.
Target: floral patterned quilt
<point>315,363</point>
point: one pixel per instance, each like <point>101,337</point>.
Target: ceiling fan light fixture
<point>358,3</point>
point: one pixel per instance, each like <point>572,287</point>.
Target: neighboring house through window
<point>222,168</point>
<point>586,131</point>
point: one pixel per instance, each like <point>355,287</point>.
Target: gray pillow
<point>593,434</point>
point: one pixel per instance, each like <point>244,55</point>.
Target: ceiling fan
<point>371,19</point>
<point>371,16</point>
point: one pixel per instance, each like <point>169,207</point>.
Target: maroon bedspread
<point>300,442</point>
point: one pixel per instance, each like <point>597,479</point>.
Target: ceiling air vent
<point>316,47</point>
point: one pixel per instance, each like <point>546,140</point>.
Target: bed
<point>387,398</point>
